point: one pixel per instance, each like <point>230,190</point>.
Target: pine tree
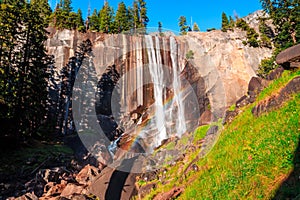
<point>94,21</point>
<point>79,21</point>
<point>160,28</point>
<point>23,62</point>
<point>106,18</point>
<point>231,23</point>
<point>182,25</point>
<point>143,14</point>
<point>136,15</point>
<point>285,17</point>
<point>43,7</point>
<point>225,22</point>
<point>122,19</point>
<point>67,6</point>
<point>196,27</point>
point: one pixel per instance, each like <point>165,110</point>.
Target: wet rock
<point>172,194</point>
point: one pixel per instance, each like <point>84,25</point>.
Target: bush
<point>266,65</point>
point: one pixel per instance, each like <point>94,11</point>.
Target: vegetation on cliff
<point>251,159</point>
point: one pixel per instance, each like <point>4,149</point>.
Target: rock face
<point>225,64</point>
<point>220,59</point>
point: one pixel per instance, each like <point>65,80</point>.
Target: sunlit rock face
<point>155,74</point>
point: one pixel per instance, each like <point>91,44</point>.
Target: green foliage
<point>182,25</point>
<point>285,16</point>
<point>122,18</point>
<point>231,23</point>
<point>106,18</point>
<point>225,22</point>
<point>265,66</point>
<point>24,66</point>
<point>94,21</point>
<point>160,29</point>
<point>252,35</point>
<point>196,27</point>
<point>79,21</point>
<point>266,33</point>
<point>189,55</point>
<point>210,29</point>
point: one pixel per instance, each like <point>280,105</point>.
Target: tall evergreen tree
<point>231,23</point>
<point>94,21</point>
<point>66,6</point>
<point>285,16</point>
<point>225,22</point>
<point>196,27</point>
<point>136,15</point>
<point>143,14</point>
<point>43,7</point>
<point>122,19</point>
<point>106,18</point>
<point>79,21</point>
<point>182,25</point>
<point>160,28</point>
<point>24,63</point>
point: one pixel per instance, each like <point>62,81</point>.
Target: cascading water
<point>178,117</point>
<point>156,72</point>
<point>169,119</point>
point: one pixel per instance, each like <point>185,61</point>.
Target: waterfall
<point>157,76</point>
<point>169,119</point>
<point>177,103</point>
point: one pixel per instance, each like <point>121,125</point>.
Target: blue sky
<point>207,14</point>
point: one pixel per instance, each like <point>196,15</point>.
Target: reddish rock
<point>87,174</point>
<point>26,196</point>
<point>172,194</point>
<point>205,118</point>
<point>52,189</point>
<point>72,189</point>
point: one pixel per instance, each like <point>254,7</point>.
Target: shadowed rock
<point>289,55</point>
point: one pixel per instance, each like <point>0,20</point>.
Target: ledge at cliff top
<point>221,58</point>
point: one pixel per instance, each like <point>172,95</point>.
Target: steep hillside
<point>255,157</point>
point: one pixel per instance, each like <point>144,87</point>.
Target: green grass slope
<point>252,157</point>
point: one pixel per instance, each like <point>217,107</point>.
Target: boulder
<point>289,55</point>
<point>275,74</point>
<point>87,175</point>
<point>115,184</point>
<point>72,189</point>
<point>205,118</point>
